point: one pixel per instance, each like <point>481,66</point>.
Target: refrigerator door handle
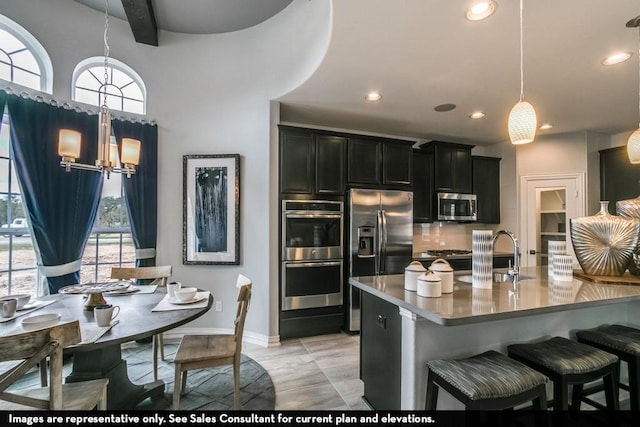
<point>383,251</point>
<point>378,263</point>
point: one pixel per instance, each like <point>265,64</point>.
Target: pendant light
<point>633,144</point>
<point>522,119</point>
<point>69,141</point>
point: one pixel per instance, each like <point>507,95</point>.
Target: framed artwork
<point>211,209</point>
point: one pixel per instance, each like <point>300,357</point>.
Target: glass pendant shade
<point>69,144</point>
<point>522,123</point>
<point>130,151</point>
<point>633,147</point>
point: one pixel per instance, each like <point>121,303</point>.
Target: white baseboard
<point>174,335</point>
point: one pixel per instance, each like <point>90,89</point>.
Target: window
<point>23,60</point>
<point>110,243</point>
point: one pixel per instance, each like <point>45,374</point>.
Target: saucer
<point>174,300</point>
<point>30,305</point>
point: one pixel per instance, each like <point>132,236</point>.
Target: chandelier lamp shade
<point>69,141</point>
<point>633,144</point>
<point>522,118</point>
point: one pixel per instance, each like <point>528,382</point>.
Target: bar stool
<point>568,363</point>
<point>624,342</point>
<point>487,381</point>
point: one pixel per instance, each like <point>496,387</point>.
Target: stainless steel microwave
<point>457,207</point>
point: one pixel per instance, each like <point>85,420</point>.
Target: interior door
<point>547,204</point>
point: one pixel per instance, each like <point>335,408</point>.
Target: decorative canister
<point>411,274</point>
<point>429,285</point>
<point>604,243</point>
<point>555,247</point>
<point>482,259</point>
<point>444,270</point>
<point>630,208</point>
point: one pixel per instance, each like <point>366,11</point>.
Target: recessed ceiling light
<point>476,115</point>
<point>444,107</point>
<point>616,58</point>
<point>546,126</point>
<point>373,96</point>
<point>481,10</point>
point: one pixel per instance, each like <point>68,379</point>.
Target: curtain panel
<point>61,206</point>
<point>141,190</point>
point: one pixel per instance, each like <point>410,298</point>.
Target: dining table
<point>142,315</point>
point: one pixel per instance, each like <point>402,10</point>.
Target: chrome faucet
<point>514,272</point>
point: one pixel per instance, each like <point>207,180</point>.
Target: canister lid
<point>415,266</point>
<point>429,276</point>
<point>440,265</point>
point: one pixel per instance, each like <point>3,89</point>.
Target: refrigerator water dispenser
<point>365,242</point>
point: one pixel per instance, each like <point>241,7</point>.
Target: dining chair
<point>159,276</point>
<point>33,347</point>
<point>208,351</point>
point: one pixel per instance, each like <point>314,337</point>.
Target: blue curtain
<point>62,206</point>
<point>141,190</point>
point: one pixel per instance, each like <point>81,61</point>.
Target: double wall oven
<point>312,267</point>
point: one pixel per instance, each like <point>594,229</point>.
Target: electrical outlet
<point>218,305</point>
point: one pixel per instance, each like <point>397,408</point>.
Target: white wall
<point>210,94</point>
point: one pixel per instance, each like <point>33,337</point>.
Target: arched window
<point>125,88</point>
<point>23,60</point>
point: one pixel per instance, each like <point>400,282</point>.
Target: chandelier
<point>522,119</point>
<point>69,141</point>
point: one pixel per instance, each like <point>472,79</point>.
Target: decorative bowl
<point>186,294</point>
<point>40,321</point>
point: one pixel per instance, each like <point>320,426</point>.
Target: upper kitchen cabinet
<point>311,163</point>
<point>452,167</point>
<point>379,162</point>
<point>423,196</point>
<point>619,179</point>
<point>486,187</point>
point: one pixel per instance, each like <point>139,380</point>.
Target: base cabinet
<point>380,352</point>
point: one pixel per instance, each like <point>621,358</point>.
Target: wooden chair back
<point>244,297</point>
<point>160,274</point>
<point>32,348</point>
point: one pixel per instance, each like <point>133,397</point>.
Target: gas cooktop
<point>445,252</point>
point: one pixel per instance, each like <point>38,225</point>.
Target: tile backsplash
<point>444,235</point>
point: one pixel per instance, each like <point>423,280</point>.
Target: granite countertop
<point>467,305</point>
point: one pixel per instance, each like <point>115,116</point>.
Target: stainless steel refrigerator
<point>380,238</point>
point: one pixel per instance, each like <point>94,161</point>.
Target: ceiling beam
<point>142,21</point>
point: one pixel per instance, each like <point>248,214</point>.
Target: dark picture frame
<point>211,209</point>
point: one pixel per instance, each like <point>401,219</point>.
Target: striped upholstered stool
<point>486,381</point>
<point>624,342</point>
<point>568,363</point>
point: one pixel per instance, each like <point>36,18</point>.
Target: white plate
<point>174,300</point>
<point>40,321</point>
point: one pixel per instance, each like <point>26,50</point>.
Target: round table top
<point>136,320</point>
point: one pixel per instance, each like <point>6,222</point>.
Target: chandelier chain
<point>521,56</point>
<point>106,55</point>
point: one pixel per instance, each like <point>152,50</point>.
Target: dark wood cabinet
<point>380,352</point>
<point>379,162</point>
<point>452,167</point>
<point>619,179</point>
<point>486,186</point>
<point>311,163</point>
<point>423,195</point>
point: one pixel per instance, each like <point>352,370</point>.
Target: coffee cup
<point>172,287</point>
<point>105,313</point>
<point>9,306</point>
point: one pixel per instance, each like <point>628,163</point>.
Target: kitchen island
<point>401,331</point>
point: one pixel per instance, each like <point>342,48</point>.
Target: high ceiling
<point>423,53</point>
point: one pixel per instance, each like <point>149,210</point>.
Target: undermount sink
<point>498,277</point>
